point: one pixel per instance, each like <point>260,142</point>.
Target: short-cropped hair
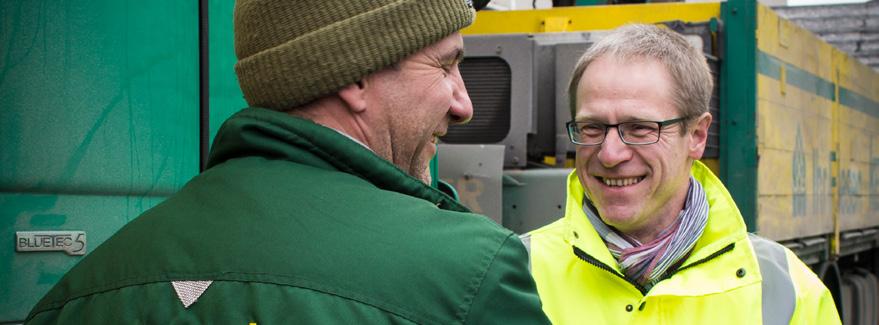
<point>691,77</point>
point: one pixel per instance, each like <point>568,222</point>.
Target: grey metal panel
<point>850,37</point>
<point>566,57</point>
<point>848,302</point>
<point>853,28</point>
<point>811,250</point>
<point>517,50</point>
<point>841,11</point>
<point>822,25</point>
<point>474,170</point>
<point>858,241</point>
<point>862,303</point>
<point>557,54</point>
<point>542,141</point>
<point>712,148</point>
<point>533,198</point>
<point>488,81</point>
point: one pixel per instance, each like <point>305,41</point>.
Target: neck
<point>659,223</point>
<point>652,231</point>
<point>331,112</point>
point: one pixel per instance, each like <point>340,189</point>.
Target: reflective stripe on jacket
<point>720,282</point>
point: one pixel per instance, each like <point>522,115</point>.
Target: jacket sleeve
<point>814,302</point>
<point>507,294</point>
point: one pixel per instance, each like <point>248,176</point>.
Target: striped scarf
<point>646,263</point>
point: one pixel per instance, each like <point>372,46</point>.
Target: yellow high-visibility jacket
<point>730,277</point>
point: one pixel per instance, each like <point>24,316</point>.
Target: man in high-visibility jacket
<point>650,235</point>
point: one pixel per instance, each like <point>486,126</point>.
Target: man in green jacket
<point>650,235</point>
<point>315,207</point>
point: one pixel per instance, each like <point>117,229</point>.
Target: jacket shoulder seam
<point>230,277</point>
<point>481,279</point>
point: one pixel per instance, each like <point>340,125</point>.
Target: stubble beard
<point>425,176</point>
<point>421,170</point>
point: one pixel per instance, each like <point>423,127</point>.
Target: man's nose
<point>613,150</point>
<point>461,109</point>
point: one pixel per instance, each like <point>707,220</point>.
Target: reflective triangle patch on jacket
<point>189,291</point>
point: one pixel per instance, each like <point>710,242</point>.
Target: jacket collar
<point>725,224</point>
<point>275,135</point>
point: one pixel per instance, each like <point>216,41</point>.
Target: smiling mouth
<point>620,182</point>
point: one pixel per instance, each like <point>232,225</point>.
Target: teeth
<point>622,181</point>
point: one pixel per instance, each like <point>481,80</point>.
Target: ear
<point>354,96</point>
<point>698,134</point>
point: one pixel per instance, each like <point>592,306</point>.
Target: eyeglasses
<point>590,133</point>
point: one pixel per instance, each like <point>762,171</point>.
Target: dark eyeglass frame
<point>571,126</point>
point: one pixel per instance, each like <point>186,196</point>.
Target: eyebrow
<point>579,118</point>
<point>453,56</point>
<point>624,119</point>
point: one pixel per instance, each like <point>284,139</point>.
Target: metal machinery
<point>108,107</point>
<point>796,138</point>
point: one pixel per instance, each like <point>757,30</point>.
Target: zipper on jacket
<point>723,250</point>
<point>595,262</point>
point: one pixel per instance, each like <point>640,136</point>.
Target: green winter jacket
<point>295,223</point>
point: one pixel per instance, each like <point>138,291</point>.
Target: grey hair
<point>691,91</point>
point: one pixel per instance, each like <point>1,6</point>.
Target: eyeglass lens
<point>631,132</point>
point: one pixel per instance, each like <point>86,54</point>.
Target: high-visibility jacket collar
<point>725,224</point>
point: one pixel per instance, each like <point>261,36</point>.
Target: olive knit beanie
<point>291,52</point>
